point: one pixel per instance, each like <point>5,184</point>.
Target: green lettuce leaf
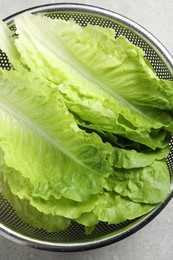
<point>30,214</point>
<point>41,140</point>
<point>128,159</point>
<point>119,64</point>
<point>112,208</point>
<point>150,184</point>
<point>85,92</point>
<point>23,190</point>
<point>107,207</point>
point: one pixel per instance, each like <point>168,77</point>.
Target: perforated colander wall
<point>76,233</point>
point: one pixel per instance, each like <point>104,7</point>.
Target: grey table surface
<point>154,241</point>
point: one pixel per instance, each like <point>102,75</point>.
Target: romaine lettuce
<point>89,91</point>
<point>85,125</point>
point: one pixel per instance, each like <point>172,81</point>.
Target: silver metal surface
<point>75,239</point>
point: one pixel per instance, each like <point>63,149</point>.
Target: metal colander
<point>74,239</point>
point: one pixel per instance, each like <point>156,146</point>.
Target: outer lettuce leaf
<point>150,184</point>
<point>128,159</point>
<point>114,209</point>
<point>63,207</point>
<point>49,148</point>
<point>108,206</point>
<point>30,214</point>
<point>85,92</point>
<point>119,64</point>
<point>23,190</point>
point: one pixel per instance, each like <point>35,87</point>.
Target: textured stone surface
<point>154,241</point>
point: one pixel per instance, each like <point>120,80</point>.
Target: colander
<point>74,239</point>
